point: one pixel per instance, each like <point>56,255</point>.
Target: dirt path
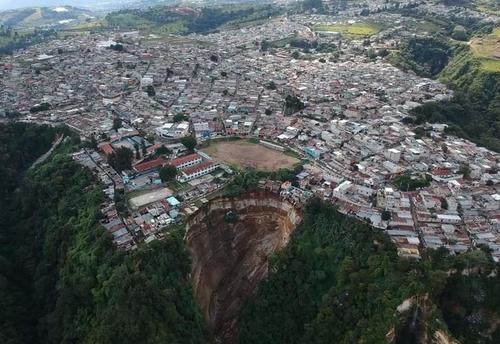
<point>44,157</point>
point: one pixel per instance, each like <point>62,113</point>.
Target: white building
<point>393,154</point>
<point>342,188</point>
<point>445,218</point>
<point>173,130</point>
<point>197,171</point>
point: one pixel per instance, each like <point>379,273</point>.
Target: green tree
<point>117,123</point>
<point>63,280</point>
<point>189,142</point>
<point>409,183</point>
<point>168,173</point>
<point>465,171</point>
<point>264,45</point>
<point>459,33</point>
<point>179,117</point>
<point>136,149</point>
<point>93,142</point>
<point>150,90</point>
<point>293,104</point>
<point>162,150</point>
<point>371,54</point>
<point>316,5</point>
<point>444,203</point>
<point>444,148</point>
<point>121,159</point>
<point>271,85</point>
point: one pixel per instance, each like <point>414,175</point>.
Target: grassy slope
<point>361,29</point>
<point>469,73</point>
<point>487,50</point>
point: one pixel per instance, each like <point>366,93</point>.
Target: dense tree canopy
<point>425,55</point>
<point>117,123</point>
<point>410,183</point>
<point>168,173</point>
<point>189,142</point>
<point>293,104</point>
<point>180,117</point>
<point>339,281</point>
<point>121,159</point>
<point>12,40</point>
<point>20,145</point>
<point>63,280</point>
<point>326,286</point>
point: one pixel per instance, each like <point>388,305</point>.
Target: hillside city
<point>346,118</point>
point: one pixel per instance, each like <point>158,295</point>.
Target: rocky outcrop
<point>416,324</point>
<point>229,240</point>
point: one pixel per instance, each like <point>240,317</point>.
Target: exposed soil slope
<point>230,240</point>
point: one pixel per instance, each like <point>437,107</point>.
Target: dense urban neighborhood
<point>350,127</point>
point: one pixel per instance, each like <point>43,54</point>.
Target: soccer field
<point>243,154</point>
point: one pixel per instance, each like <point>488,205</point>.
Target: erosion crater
<point>229,240</point>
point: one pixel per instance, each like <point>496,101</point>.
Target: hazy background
<point>12,4</point>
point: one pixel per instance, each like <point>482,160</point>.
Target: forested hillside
<point>474,75</point>
<point>339,281</point>
<point>12,40</point>
<point>61,278</point>
<point>63,281</point>
<point>163,19</point>
<point>20,145</point>
<point>474,112</point>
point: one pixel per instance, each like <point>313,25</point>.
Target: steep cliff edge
<point>229,240</point>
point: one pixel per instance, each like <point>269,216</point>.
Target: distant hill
<point>45,16</point>
<point>183,19</point>
<point>17,4</point>
<point>89,4</point>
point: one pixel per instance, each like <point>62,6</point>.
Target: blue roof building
<point>173,201</point>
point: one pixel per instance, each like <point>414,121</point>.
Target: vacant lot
<point>353,30</point>
<point>487,49</point>
<point>149,196</point>
<point>243,154</point>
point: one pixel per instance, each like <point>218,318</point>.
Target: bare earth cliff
<point>229,240</point>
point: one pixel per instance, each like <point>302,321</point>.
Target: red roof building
<point>106,148</point>
<point>150,165</point>
<point>199,167</point>
<point>197,171</point>
<point>186,161</point>
<point>441,172</point>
